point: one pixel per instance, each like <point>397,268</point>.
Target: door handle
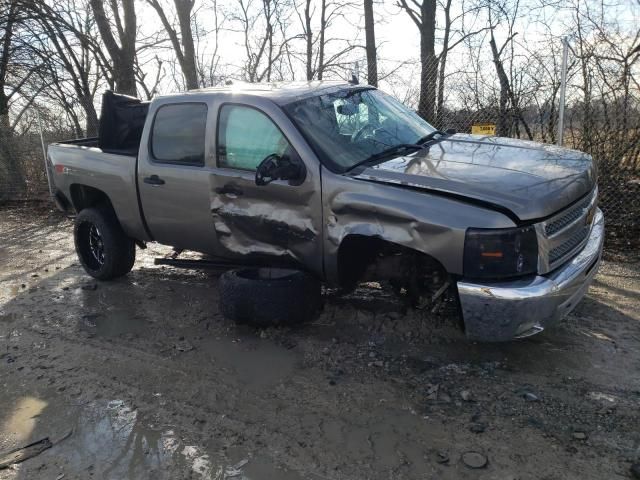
<point>229,189</point>
<point>154,180</point>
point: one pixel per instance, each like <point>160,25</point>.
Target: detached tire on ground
<point>103,249</point>
<point>269,296</point>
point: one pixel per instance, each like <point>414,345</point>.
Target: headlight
<point>500,253</point>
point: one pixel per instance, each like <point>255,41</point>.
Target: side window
<point>179,133</point>
<point>246,136</point>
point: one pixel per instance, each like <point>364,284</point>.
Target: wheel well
<point>361,257</point>
<point>83,196</point>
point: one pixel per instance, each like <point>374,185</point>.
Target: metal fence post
<point>44,153</point>
<point>563,88</point>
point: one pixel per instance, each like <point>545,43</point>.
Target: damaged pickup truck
<point>346,184</point>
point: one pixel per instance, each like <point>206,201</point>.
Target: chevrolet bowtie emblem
<point>590,214</point>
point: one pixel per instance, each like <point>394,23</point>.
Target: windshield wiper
<point>430,136</point>
<point>384,154</point>
<point>396,149</point>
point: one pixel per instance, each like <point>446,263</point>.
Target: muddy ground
<point>143,378</point>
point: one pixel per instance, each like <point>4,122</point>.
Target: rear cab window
<point>178,134</point>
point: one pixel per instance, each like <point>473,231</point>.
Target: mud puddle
<point>110,439</point>
<point>112,323</point>
<point>252,361</point>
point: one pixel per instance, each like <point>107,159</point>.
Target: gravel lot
<point>143,378</point>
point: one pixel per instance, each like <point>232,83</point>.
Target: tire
<point>269,296</point>
<point>103,249</point>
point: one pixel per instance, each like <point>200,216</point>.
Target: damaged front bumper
<point>495,312</point>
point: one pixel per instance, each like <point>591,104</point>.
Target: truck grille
<point>564,235</point>
<point>573,241</point>
<point>570,216</point>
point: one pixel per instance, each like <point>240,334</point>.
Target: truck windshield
<point>347,127</point>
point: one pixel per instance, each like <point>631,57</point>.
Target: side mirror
<point>276,167</point>
<point>450,131</point>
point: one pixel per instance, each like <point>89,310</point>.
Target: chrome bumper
<point>495,312</point>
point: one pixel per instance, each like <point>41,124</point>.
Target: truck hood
<point>531,180</point>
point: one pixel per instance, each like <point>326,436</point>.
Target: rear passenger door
<point>173,178</point>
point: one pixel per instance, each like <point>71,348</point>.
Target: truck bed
<point>93,142</point>
<point>78,164</point>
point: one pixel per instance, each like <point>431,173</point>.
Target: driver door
<point>278,223</point>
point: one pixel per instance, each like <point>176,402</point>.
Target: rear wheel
<point>103,249</point>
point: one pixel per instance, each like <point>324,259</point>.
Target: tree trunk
<point>13,185</point>
<point>323,31</point>
<point>4,109</point>
<point>123,57</point>
<point>442,66</point>
<point>372,57</point>
<point>309,39</point>
<point>428,61</point>
<point>124,77</point>
<point>502,125</point>
<point>188,65</point>
<point>185,53</point>
<point>92,121</point>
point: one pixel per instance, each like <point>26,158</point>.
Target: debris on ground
<point>466,395</point>
<point>183,345</point>
<point>235,470</point>
<point>477,427</point>
<point>528,395</point>
<point>443,457</point>
<point>579,436</point>
<point>19,455</point>
<point>474,459</point>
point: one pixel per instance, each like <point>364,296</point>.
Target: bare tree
<point>63,47</point>
<point>122,53</point>
<point>370,35</point>
<point>433,66</point>
<point>264,36</point>
<point>423,14</point>
<point>499,12</point>
<point>8,22</point>
<point>207,42</point>
<point>149,81</point>
<point>183,44</point>
<point>452,36</point>
<point>17,92</point>
<point>316,21</point>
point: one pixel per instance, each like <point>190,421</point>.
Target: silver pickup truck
<point>344,182</point>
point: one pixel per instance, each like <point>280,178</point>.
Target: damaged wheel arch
<point>366,258</point>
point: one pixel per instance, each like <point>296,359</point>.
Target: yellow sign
<point>483,129</point>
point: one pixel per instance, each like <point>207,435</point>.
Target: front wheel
<point>263,297</point>
<point>103,249</point>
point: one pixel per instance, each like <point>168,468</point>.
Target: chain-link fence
<point>601,117</point>
<point>22,173</point>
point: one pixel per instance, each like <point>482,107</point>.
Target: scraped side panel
<point>433,225</point>
<point>277,222</point>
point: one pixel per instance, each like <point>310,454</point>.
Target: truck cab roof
<point>281,93</point>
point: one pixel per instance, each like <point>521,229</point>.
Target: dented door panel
<point>278,222</point>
